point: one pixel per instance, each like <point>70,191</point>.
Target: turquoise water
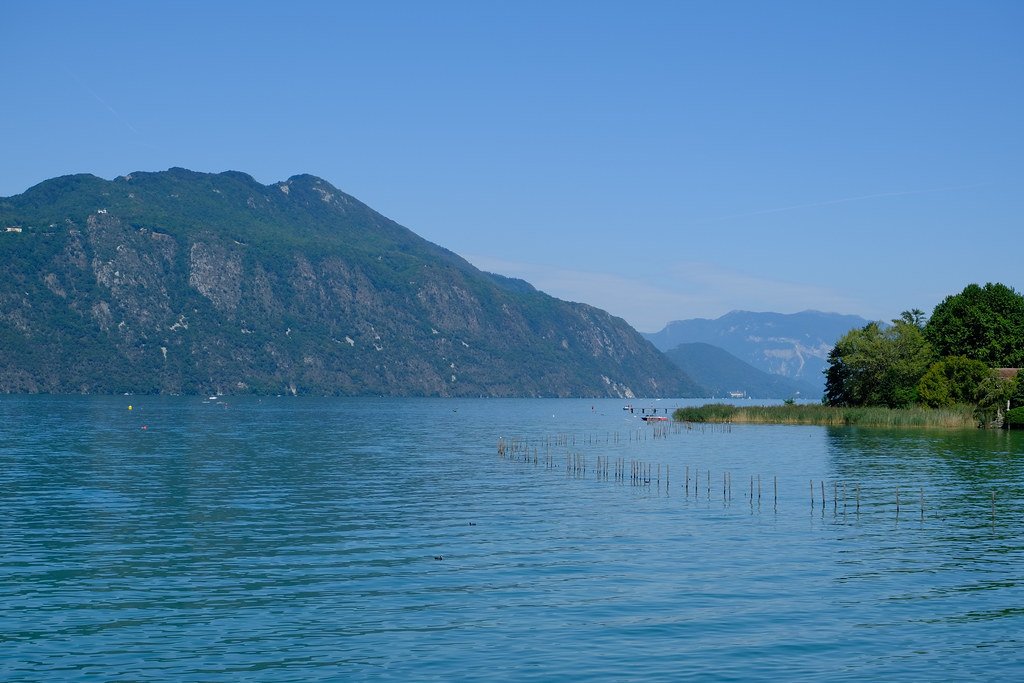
<point>295,539</point>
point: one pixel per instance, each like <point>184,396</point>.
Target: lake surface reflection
<point>297,539</point>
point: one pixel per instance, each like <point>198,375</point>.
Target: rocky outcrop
<point>216,273</point>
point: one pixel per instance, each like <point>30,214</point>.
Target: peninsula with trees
<point>959,367</point>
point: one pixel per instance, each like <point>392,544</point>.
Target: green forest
<point>958,356</point>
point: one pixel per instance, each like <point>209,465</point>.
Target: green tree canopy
<point>983,323</point>
<point>1016,391</point>
<point>952,380</point>
<point>872,366</point>
<point>992,396</point>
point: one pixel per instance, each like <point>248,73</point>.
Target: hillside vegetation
<point>185,282</point>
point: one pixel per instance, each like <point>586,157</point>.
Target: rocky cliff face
<point>182,282</point>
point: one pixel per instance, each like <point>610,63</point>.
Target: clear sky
<point>660,160</point>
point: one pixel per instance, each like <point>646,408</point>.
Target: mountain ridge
<point>793,345</point>
<point>722,373</point>
<point>184,282</point>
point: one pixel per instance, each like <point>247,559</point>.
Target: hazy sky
<point>660,160</point>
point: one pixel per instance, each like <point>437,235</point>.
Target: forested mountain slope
<point>185,282</point>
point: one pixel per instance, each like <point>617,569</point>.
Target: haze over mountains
<point>795,345</point>
<point>723,375</point>
<point>185,282</point>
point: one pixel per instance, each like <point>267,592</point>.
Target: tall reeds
<point>957,417</point>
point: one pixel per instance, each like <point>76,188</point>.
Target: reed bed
<point>957,417</point>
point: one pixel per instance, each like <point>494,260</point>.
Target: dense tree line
<point>950,358</point>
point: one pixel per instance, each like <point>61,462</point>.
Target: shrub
<point>951,381</point>
<point>1015,418</point>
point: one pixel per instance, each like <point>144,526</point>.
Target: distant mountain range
<point>794,345</point>
<point>185,282</point>
<point>723,375</point>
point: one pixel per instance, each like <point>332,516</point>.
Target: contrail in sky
<point>840,201</point>
<point>101,101</point>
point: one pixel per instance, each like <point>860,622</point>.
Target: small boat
<point>654,418</point>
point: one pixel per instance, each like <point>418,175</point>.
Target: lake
<point>308,539</point>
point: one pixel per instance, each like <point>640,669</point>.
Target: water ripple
<point>311,540</point>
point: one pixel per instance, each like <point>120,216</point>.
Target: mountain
<point>794,345</point>
<point>722,373</point>
<point>185,282</point>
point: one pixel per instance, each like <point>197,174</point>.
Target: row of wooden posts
<point>518,447</point>
<point>640,473</point>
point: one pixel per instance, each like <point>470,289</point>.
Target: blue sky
<point>660,160</point>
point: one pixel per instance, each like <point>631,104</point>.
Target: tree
<point>1015,401</point>
<point>983,323</point>
<point>1016,391</point>
<point>914,316</point>
<point>871,366</point>
<point>993,394</point>
<point>951,381</point>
